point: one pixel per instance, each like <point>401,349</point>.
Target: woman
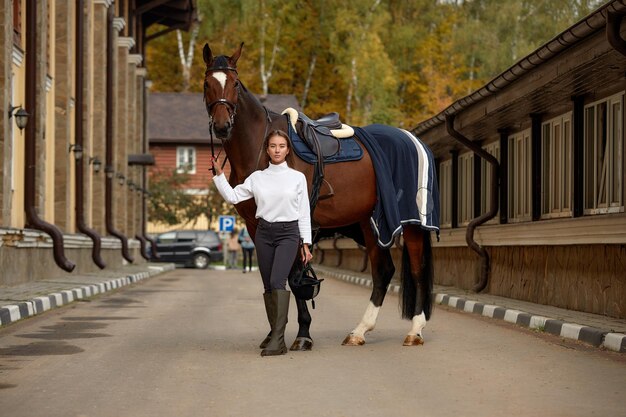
<point>284,221</point>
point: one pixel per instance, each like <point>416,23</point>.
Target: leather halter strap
<point>231,108</point>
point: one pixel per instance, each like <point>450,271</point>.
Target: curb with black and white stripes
<point>14,312</point>
<point>596,337</point>
<point>591,335</point>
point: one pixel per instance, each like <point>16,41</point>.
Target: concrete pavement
<point>34,298</point>
<point>594,329</point>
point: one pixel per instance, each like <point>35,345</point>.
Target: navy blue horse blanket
<point>406,181</point>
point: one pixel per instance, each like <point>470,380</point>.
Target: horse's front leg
<point>303,340</point>
<point>368,322</point>
<point>382,272</point>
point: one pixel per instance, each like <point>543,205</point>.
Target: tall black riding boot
<point>276,345</point>
<point>270,309</point>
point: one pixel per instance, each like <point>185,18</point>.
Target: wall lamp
<point>121,178</point>
<point>97,164</point>
<point>108,170</point>
<point>131,185</point>
<point>78,151</point>
<point>21,116</point>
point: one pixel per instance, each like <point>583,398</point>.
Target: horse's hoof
<point>413,340</point>
<point>352,340</point>
<point>302,344</point>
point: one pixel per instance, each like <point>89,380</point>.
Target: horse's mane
<point>256,99</point>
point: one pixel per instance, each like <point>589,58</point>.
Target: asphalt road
<point>185,344</point>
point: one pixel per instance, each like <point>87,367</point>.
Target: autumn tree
<point>171,204</point>
<point>392,61</point>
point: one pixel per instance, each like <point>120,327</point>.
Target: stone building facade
<point>71,198</point>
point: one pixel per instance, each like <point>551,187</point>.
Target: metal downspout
<point>109,142</point>
<point>493,210</point>
<point>613,35</point>
<point>32,218</point>
<point>79,163</point>
<point>144,180</point>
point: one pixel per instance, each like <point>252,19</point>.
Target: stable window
<point>486,182</point>
<point>466,188</point>
<point>17,22</point>
<point>520,176</point>
<point>556,167</point>
<point>604,147</point>
<point>186,159</point>
<point>445,193</point>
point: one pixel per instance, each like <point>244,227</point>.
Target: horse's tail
<point>410,304</point>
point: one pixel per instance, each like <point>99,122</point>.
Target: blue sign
<point>227,223</point>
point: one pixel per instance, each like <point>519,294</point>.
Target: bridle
<point>231,107</point>
<point>232,111</point>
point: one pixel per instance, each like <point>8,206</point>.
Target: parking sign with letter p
<point>227,223</point>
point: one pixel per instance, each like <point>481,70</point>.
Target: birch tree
<point>266,70</point>
<point>186,57</point>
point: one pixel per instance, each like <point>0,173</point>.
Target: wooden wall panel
<point>456,267</point>
<point>589,278</point>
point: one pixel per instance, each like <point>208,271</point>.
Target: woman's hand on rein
<point>215,166</point>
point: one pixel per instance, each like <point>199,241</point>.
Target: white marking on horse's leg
<point>221,77</point>
<point>414,338</point>
<point>419,322</point>
<point>367,322</point>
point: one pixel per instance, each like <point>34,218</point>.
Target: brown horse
<point>241,122</point>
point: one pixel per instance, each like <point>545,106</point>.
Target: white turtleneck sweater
<point>280,194</point>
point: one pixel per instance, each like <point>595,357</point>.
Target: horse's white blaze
<point>221,77</point>
<point>368,321</point>
<point>419,322</point>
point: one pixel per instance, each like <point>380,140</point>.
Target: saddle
<point>322,135</point>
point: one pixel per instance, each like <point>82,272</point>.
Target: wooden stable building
<point>72,182</point>
<point>531,174</point>
<point>531,177</point>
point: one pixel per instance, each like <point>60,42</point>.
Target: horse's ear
<point>236,55</point>
<point>207,54</point>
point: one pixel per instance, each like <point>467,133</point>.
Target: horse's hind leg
<point>417,282</point>
<point>382,272</point>
<point>303,341</point>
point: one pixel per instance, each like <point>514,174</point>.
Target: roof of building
<point>171,13</point>
<point>178,117</point>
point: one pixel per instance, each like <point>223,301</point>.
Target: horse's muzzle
<point>222,132</point>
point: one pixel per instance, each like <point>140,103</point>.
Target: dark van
<point>194,248</point>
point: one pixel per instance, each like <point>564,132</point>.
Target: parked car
<point>196,248</point>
